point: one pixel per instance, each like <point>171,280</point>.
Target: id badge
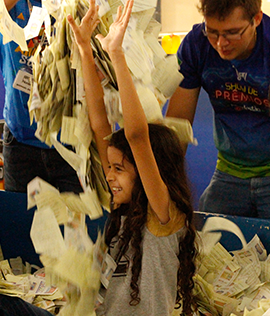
<point>23,81</point>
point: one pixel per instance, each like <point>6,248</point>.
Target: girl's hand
<point>89,22</point>
<point>112,43</point>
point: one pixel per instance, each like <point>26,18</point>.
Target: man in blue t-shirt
<point>25,156</point>
<point>229,56</point>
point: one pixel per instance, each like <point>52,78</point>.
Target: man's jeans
<point>230,195</point>
<point>22,163</point>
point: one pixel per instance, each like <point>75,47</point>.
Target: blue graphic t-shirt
<point>12,59</point>
<point>238,91</point>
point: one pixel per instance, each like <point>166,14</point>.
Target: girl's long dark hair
<point>170,160</point>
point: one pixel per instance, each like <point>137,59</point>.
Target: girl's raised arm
<point>135,123</point>
<point>93,89</point>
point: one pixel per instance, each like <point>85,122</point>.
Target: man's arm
<point>183,103</point>
<point>10,4</point>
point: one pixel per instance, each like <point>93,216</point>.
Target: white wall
<point>180,15</point>
<point>266,6</point>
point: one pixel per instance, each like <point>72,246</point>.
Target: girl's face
<point>121,176</point>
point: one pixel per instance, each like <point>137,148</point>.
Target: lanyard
<point>30,6</point>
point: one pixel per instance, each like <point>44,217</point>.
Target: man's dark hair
<point>223,8</point>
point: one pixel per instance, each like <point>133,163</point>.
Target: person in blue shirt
<point>25,156</point>
<point>228,56</point>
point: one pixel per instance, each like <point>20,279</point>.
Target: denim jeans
<point>230,195</point>
<point>22,163</point>
<point>14,306</point>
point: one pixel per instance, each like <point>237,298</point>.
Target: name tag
<point>23,81</point>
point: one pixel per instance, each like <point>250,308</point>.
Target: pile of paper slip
<point>16,280</point>
<point>233,283</point>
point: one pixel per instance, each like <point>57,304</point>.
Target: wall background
<point>180,15</point>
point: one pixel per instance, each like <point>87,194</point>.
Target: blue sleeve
<point>190,57</point>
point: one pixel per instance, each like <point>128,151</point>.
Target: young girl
<point>150,230</point>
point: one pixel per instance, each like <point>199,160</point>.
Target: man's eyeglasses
<point>229,36</point>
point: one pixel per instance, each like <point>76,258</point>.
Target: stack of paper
<point>233,283</point>
<point>16,280</point>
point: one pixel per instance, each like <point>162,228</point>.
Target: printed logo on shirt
<point>243,97</point>
<point>240,75</point>
<point>21,17</point>
<point>32,46</point>
<point>243,91</point>
<point>122,268</point>
<point>123,263</point>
